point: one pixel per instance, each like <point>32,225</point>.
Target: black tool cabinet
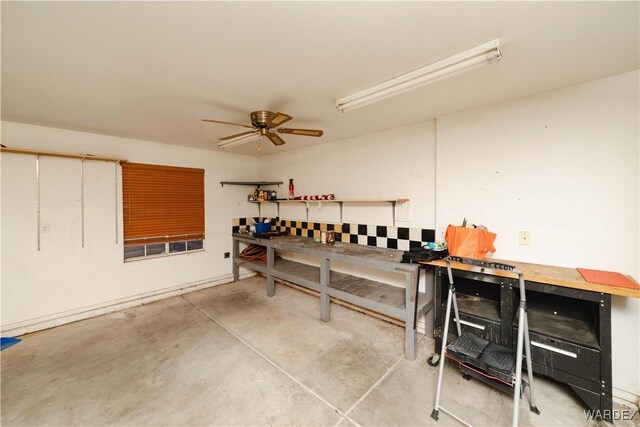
<point>570,329</point>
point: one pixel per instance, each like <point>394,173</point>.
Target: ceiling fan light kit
<point>461,62</point>
<point>243,139</point>
<point>263,123</point>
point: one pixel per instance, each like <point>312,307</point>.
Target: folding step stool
<point>490,362</point>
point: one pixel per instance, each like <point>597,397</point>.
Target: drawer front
<point>479,326</point>
<point>568,357</point>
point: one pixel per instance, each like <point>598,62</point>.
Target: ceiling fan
<point>264,123</point>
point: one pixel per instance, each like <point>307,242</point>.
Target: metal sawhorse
<point>483,359</point>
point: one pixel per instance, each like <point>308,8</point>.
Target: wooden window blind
<point>162,203</point>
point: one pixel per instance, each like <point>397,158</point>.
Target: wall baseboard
<point>58,319</point>
<point>626,398</point>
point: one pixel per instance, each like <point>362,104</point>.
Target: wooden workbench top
<point>547,274</point>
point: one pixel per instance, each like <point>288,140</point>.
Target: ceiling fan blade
<point>303,132</point>
<point>274,138</point>
<point>278,119</point>
<point>227,123</point>
<point>224,138</point>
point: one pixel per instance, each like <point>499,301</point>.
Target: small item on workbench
<point>416,255</point>
<point>465,242</point>
<point>435,246</point>
<point>273,195</point>
<point>263,227</point>
<point>327,237</point>
<point>331,237</point>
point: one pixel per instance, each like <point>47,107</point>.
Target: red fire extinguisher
<point>291,189</point>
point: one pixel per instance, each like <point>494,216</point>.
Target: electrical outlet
<point>44,228</point>
<point>227,255</point>
<point>524,238</point>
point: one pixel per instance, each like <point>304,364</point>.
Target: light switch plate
<point>524,238</point>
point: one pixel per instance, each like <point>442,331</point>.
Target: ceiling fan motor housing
<point>261,119</point>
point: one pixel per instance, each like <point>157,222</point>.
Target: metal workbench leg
<point>325,277</point>
<point>234,260</point>
<point>410,316</point>
<point>604,329</point>
<point>271,287</point>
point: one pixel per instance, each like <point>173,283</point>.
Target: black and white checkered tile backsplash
<point>382,236</point>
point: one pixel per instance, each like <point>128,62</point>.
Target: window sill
<point>165,255</point>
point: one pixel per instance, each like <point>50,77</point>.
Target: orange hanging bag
<point>469,242</point>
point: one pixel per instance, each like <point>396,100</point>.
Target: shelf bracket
<point>393,212</point>
<point>401,210</point>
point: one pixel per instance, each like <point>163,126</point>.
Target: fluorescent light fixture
<point>463,61</point>
<point>239,140</point>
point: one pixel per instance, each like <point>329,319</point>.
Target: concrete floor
<point>229,355</point>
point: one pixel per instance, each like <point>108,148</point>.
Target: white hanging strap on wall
<point>82,158</point>
<point>38,198</point>
<point>82,199</point>
<point>116,164</point>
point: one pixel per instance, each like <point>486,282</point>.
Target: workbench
<point>406,304</point>
<point>569,320</point>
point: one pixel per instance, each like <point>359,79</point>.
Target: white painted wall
<point>564,166</point>
<point>64,279</point>
<point>385,165</point>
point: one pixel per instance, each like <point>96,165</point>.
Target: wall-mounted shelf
<point>251,183</point>
<point>396,204</point>
<point>336,201</point>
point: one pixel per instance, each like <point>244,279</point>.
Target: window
<point>163,210</point>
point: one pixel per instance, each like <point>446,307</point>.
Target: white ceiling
<point>153,70</point>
